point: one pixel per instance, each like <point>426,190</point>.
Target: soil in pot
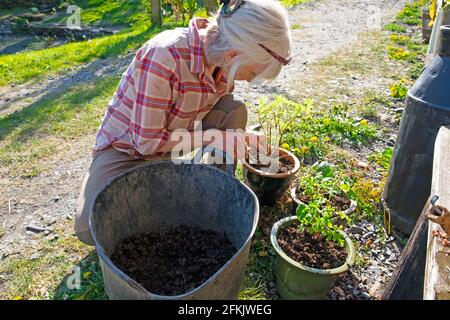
<point>284,166</point>
<point>339,202</point>
<point>314,253</point>
<point>175,261</point>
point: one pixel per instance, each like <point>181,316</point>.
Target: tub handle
<point>209,149</point>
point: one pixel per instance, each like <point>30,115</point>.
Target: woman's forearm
<point>190,140</point>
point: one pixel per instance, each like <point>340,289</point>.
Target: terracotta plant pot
<point>299,282</point>
<point>269,187</point>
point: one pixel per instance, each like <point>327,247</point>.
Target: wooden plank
<point>437,270</point>
<point>407,280</point>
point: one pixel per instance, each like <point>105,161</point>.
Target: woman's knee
<point>230,112</point>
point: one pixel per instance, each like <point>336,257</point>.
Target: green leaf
<point>302,211</point>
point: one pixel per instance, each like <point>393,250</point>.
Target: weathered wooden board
<point>437,270</point>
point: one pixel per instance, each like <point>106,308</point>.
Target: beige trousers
<point>229,113</point>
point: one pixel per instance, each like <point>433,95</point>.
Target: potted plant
<point>311,252</point>
<point>323,182</point>
<point>269,173</point>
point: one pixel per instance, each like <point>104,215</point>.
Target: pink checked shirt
<point>166,87</point>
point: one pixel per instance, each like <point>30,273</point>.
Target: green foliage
<point>18,68</point>
<point>323,181</point>
<point>406,47</point>
<point>395,27</point>
<point>127,13</point>
<point>319,184</point>
<point>181,9</point>
<point>277,117</point>
<point>400,39</point>
<point>291,3</point>
<point>91,284</point>
<point>398,53</point>
<point>399,90</point>
<point>412,13</point>
<point>383,158</point>
<point>317,221</point>
<point>314,130</point>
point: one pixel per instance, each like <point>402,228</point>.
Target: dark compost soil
<point>339,202</point>
<point>173,262</point>
<point>303,248</point>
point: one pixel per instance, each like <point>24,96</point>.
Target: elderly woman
<point>179,79</point>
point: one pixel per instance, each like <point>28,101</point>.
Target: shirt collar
<point>195,44</point>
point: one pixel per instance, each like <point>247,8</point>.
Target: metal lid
<point>444,41</point>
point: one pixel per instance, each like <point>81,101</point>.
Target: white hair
<point>255,22</point>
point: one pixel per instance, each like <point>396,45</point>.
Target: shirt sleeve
<point>154,75</point>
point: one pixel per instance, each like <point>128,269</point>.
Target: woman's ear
<point>230,54</point>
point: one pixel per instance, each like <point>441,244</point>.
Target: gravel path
<point>321,28</point>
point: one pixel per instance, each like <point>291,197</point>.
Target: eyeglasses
<point>231,6</point>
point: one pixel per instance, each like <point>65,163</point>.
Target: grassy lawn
<point>338,127</point>
<point>34,65</point>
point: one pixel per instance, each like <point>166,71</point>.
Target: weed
<point>398,53</point>
<point>395,27</point>
<point>399,90</point>
<point>411,13</point>
<point>383,158</point>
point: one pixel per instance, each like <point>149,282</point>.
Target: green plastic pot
<point>298,282</point>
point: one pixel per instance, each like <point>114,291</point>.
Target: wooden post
<point>437,271</point>
<point>156,12</point>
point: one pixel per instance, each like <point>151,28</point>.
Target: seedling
<point>316,216</point>
<point>275,119</point>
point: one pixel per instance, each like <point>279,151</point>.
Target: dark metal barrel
<point>427,109</point>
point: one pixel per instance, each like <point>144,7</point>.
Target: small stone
<point>376,290</point>
<point>356,292</point>
<point>35,229</point>
<point>363,165</point>
<point>356,230</point>
<point>34,256</point>
<point>367,235</point>
<point>365,295</point>
<point>340,292</point>
<point>391,258</point>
